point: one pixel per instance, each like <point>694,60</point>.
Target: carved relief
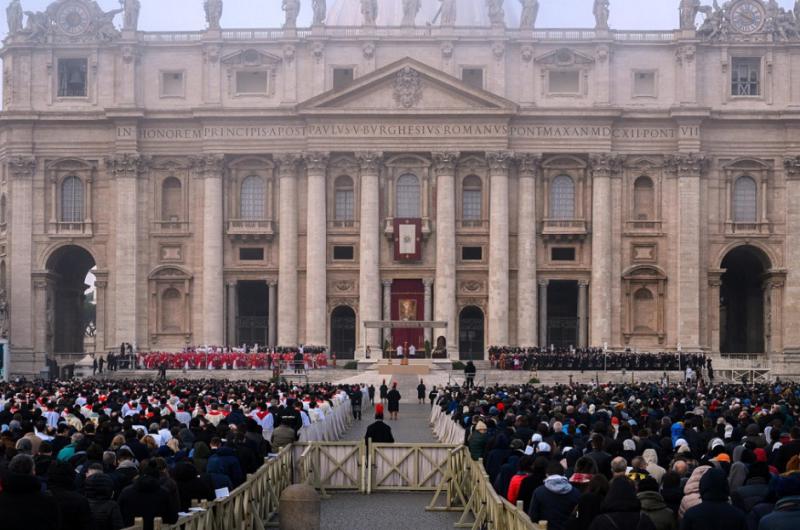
<point>407,87</point>
<point>471,286</point>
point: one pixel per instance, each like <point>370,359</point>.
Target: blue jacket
<point>553,502</point>
<point>785,516</point>
<point>224,461</point>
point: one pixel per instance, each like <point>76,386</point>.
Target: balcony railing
<point>564,227</point>
<point>644,226</point>
<point>170,227</point>
<point>735,228</point>
<point>473,225</point>
<point>71,229</point>
<point>343,225</point>
<point>251,228</point>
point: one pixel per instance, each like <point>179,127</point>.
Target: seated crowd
<point>95,455</point>
<point>509,358</point>
<point>231,360</point>
<point>640,457</point>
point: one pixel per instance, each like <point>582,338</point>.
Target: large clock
<point>73,18</point>
<point>747,16</point>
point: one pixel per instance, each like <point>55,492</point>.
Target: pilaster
<point>445,280</point>
<point>287,249</point>
<point>791,334</point>
<point>499,163</point>
<point>528,168</point>
<point>316,248</point>
<point>21,170</point>
<point>369,294</point>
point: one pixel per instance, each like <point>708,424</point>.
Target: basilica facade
<point>521,186</point>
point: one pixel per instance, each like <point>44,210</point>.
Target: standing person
<point>433,394</point>
<point>421,392</point>
<point>555,499</point>
<point>715,511</point>
<point>621,509</point>
<point>22,503</point>
<point>469,374</point>
<point>371,391</point>
<point>378,431</point>
<point>94,365</point>
<point>384,390</point>
<point>393,399</point>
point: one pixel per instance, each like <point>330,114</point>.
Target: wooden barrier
<point>407,467</point>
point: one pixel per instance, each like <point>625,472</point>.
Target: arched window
<point>408,196</point>
<point>171,199</point>
<point>2,209</point>
<point>471,199</point>
<point>345,206</point>
<point>643,199</point>
<point>745,200</point>
<point>644,311</point>
<point>562,198</point>
<point>251,204</point>
<point>171,311</point>
<point>72,200</point>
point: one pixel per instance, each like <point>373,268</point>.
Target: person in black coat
<point>74,507</point>
<point>191,486</point>
<point>22,504</point>
<point>393,400</point>
<point>621,509</point>
<point>146,498</point>
<point>379,432</point>
<point>714,512</point>
<point>99,488</point>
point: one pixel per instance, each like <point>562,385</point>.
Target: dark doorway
<point>470,334</point>
<point>408,303</point>
<point>742,301</point>
<point>343,332</point>
<point>67,314</point>
<point>562,313</point>
<point>253,308</point>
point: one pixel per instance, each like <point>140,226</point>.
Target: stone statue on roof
<point>369,9</point>
<point>213,13</point>
<point>601,10</point>
<point>530,11</point>
<point>131,17</point>
<point>14,17</point>
<point>292,10</point>
<point>320,12</point>
<point>497,15</point>
<point>410,10</point>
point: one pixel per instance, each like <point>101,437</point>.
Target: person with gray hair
<point>619,466</point>
<point>22,503</point>
<point>24,447</point>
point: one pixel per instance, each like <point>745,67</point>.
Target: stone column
<point>125,170</point>
<point>714,284</point>
<point>428,310</point>
<point>101,286</point>
<point>20,301</point>
<point>369,294</point>
<point>499,162</point>
<point>212,293</point>
<point>583,322</point>
<point>600,294</point>
<point>791,334</point>
<point>272,318</point>
<point>287,250</point>
<point>386,334</point>
<point>543,313</point>
<point>445,282</point>
<point>316,249</point>
<point>689,168</point>
<point>526,252</point>
<point>232,310</point>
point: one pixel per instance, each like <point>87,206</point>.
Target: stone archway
<point>470,334</point>
<point>743,321</point>
<point>343,332</point>
<point>65,312</point>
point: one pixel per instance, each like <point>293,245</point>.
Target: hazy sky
<point>164,15</point>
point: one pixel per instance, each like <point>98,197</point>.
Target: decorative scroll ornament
<point>407,87</point>
<point>67,21</point>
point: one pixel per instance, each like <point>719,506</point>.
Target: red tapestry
<point>408,303</point>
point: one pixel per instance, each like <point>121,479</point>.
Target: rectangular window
<point>473,77</point>
<point>172,84</point>
<point>251,254</point>
<point>471,253</point>
<point>342,77</point>
<point>745,76</point>
<point>472,205</point>
<point>72,78</point>
<point>644,84</point>
<point>564,82</point>
<point>345,205</point>
<point>562,254</point>
<point>344,253</point>
<point>251,82</point>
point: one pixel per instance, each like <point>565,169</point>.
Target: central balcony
<point>251,229</point>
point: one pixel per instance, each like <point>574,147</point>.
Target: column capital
<point>444,162</point>
<point>316,162</point>
<point>386,283</point>
<point>272,283</point>
<point>544,283</point>
<point>583,283</point>
<point>208,166</point>
<point>127,165</point>
<point>21,167</point>
<point>369,161</point>
<point>427,283</point>
<point>528,164</point>
<point>605,164</point>
<point>687,164</point>
<point>232,283</point>
<point>499,160</point>
<point>791,165</point>
<point>287,164</point>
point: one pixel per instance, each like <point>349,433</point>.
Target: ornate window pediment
<point>250,58</point>
<point>170,273</point>
<point>564,57</point>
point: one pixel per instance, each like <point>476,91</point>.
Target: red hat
<point>379,408</point>
<point>501,406</point>
<point>761,454</point>
<point>614,421</point>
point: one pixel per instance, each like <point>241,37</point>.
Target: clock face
<point>747,16</point>
<point>73,19</point>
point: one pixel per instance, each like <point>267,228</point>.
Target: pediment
<point>408,87</point>
<point>250,57</point>
<point>564,57</point>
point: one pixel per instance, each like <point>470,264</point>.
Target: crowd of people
<point>639,457</point>
<point>200,360</point>
<point>591,359</point>
<point>95,455</point>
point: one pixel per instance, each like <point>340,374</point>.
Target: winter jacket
<point>477,444</point>
<point>146,498</point>
<point>553,502</point>
<point>99,489</point>
<point>714,512</point>
<point>785,516</point>
<point>224,461</point>
<point>691,491</point>
<point>753,492</point>
<point>621,510</point>
<point>74,508</point>
<point>656,471</point>
<point>283,435</point>
<point>656,509</point>
<point>123,476</point>
<point>587,509</point>
<point>191,486</point>
<point>23,505</point>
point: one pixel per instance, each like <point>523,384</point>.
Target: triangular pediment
<point>250,57</point>
<point>564,57</point>
<point>408,87</point>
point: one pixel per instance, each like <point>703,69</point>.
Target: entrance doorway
<point>470,334</point>
<point>343,332</point>
<point>562,313</point>
<point>253,311</point>
<point>68,314</point>
<point>408,303</point>
<point>741,312</point>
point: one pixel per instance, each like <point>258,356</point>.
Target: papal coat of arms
<point>407,87</point>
